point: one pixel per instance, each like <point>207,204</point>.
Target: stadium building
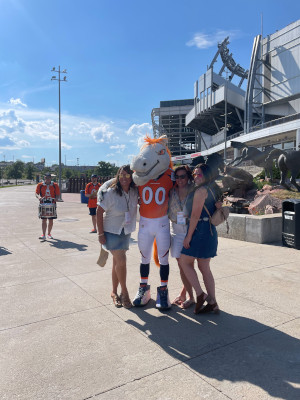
<point>266,111</point>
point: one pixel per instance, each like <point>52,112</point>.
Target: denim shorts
<point>116,242</point>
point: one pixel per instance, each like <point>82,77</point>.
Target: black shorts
<point>93,211</point>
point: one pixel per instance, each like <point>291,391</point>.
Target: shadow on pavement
<point>4,251</point>
<point>229,346</point>
<point>65,244</point>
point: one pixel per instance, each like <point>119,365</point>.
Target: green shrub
<point>275,170</point>
<point>259,184</point>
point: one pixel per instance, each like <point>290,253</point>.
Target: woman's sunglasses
<point>180,176</point>
<point>199,175</point>
<point>125,176</point>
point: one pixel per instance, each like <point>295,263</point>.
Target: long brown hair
<point>185,168</point>
<point>116,185</point>
<point>207,172</point>
<point>209,179</point>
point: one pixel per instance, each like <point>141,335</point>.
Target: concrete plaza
<point>62,338</point>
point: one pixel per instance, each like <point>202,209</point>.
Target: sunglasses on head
<point>180,176</point>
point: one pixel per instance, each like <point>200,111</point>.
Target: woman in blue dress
<point>201,241</point>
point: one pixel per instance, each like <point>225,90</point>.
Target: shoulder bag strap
<point>212,193</point>
<point>209,217</point>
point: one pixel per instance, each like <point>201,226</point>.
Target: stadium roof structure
<point>267,112</point>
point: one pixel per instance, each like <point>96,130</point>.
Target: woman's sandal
<point>200,301</point>
<point>125,300</point>
<point>116,300</point>
<point>187,303</point>
<point>178,301</point>
<point>210,308</point>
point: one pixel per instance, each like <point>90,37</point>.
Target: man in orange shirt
<point>91,191</point>
<point>45,191</point>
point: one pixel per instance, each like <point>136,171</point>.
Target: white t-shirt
<point>115,207</point>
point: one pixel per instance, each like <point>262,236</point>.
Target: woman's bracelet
<point>100,234</point>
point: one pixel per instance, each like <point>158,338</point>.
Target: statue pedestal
<point>253,228</point>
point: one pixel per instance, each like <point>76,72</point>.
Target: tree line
<point>21,170</point>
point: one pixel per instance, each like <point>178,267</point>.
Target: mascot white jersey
<point>154,177</point>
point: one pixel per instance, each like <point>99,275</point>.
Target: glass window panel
<point>288,145</point>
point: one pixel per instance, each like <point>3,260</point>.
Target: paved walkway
<point>62,338</point>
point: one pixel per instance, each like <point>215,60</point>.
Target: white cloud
<point>11,128</point>
<point>130,157</point>
<point>23,127</point>
<point>83,128</point>
<point>24,156</point>
<point>140,142</point>
<point>119,147</point>
<point>9,122</point>
<point>102,133</point>
<point>10,143</point>
<point>140,130</point>
<point>204,41</point>
<point>45,129</point>
<point>17,102</point>
<point>22,143</point>
<point>65,146</point>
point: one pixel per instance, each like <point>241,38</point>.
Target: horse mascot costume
<point>154,177</point>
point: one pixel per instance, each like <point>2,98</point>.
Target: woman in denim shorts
<point>116,220</point>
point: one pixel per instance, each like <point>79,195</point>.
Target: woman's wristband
<point>100,234</point>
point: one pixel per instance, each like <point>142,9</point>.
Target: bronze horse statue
<point>287,161</point>
<point>259,158</point>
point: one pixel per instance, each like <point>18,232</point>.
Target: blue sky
<point>122,58</point>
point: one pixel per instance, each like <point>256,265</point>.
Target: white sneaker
<point>142,297</point>
<point>42,237</point>
<point>50,236</point>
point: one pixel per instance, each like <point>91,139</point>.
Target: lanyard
<point>181,206</point>
<point>127,198</point>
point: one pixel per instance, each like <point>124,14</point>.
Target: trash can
<point>84,199</point>
<point>291,223</point>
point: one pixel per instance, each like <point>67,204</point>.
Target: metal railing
<point>269,124</point>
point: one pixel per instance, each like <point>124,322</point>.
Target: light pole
<point>226,113</point>
<point>54,78</point>
<point>225,124</point>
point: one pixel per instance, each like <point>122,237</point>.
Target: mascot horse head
<point>152,161</point>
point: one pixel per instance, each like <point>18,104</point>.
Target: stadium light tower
<point>55,78</point>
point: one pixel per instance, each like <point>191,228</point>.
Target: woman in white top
<point>116,220</point>
<point>178,216</point>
